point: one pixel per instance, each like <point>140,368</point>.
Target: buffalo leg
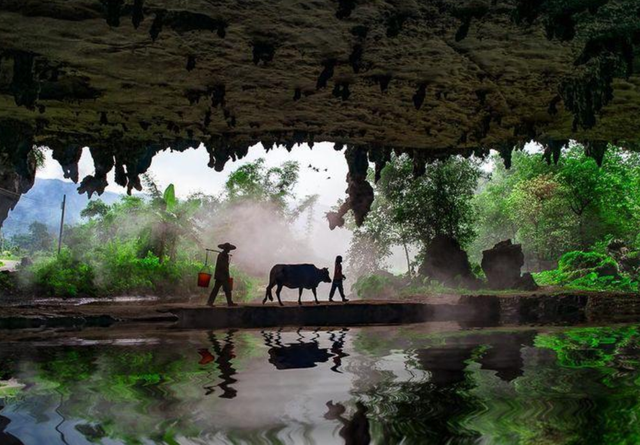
<point>300,295</point>
<point>315,295</point>
<point>278,290</point>
<point>267,294</point>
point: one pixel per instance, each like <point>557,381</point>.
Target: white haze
<point>262,238</point>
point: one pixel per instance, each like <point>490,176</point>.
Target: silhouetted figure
<point>338,349</point>
<point>354,431</point>
<point>338,276</point>
<point>6,438</point>
<point>295,276</point>
<point>222,276</point>
<point>300,355</point>
<point>223,357</point>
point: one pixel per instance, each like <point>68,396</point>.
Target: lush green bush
<point>577,264</point>
<point>63,276</point>
<point>376,286</point>
<point>122,270</point>
<point>8,284</point>
<point>245,288</point>
<point>588,271</point>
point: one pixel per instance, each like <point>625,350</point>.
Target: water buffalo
<point>295,276</point>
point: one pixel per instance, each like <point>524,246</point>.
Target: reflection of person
<point>354,431</point>
<point>222,276</point>
<point>338,276</point>
<point>338,349</point>
<point>224,354</point>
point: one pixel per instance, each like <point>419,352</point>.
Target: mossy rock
<point>577,261</point>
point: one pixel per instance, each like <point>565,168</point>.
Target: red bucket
<point>204,279</point>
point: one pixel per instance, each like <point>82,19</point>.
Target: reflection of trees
<point>576,386</point>
<point>127,394</point>
<point>579,387</point>
<point>590,347</point>
<point>422,412</point>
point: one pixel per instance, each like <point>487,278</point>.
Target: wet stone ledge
<point>350,314</point>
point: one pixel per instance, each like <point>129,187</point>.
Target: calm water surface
<point>420,384</point>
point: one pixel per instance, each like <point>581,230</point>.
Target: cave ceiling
<point>129,78</point>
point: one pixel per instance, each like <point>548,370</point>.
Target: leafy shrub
<point>577,260</point>
<point>245,288</point>
<point>63,276</point>
<point>122,270</point>
<point>588,271</point>
<point>377,286</point>
<point>8,283</point>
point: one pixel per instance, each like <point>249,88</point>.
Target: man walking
<point>338,276</point>
<point>222,276</point>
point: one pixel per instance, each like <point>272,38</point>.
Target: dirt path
<point>8,265</point>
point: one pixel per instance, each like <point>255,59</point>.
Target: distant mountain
<point>42,203</point>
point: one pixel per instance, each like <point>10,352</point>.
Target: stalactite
<point>596,150</point>
<point>68,158</point>
<point>359,191</point>
<point>553,149</point>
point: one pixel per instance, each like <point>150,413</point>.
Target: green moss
<point>587,271</point>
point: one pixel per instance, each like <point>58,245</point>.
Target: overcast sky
<point>189,172</point>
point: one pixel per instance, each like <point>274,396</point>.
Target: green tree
<point>437,203</point>
<point>173,221</point>
<point>255,182</point>
<point>409,212</point>
<point>552,209</point>
<point>37,239</point>
<point>95,208</point>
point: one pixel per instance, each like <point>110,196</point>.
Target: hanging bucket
<point>204,279</point>
<point>204,276</point>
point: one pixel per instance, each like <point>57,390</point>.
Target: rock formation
<point>17,166</point>
<point>501,265</point>
<point>446,263</point>
<point>129,78</point>
<point>627,259</point>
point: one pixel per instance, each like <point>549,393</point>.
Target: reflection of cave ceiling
<point>131,77</point>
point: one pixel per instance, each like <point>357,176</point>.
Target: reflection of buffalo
<point>295,276</point>
<point>304,354</point>
<point>298,355</point>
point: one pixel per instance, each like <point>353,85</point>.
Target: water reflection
<point>298,355</point>
<point>410,385</point>
<point>497,352</point>
<point>224,354</point>
<point>354,431</point>
<point>337,348</point>
<point>6,438</point>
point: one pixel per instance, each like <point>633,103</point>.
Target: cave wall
<point>17,164</point>
<point>129,78</point>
